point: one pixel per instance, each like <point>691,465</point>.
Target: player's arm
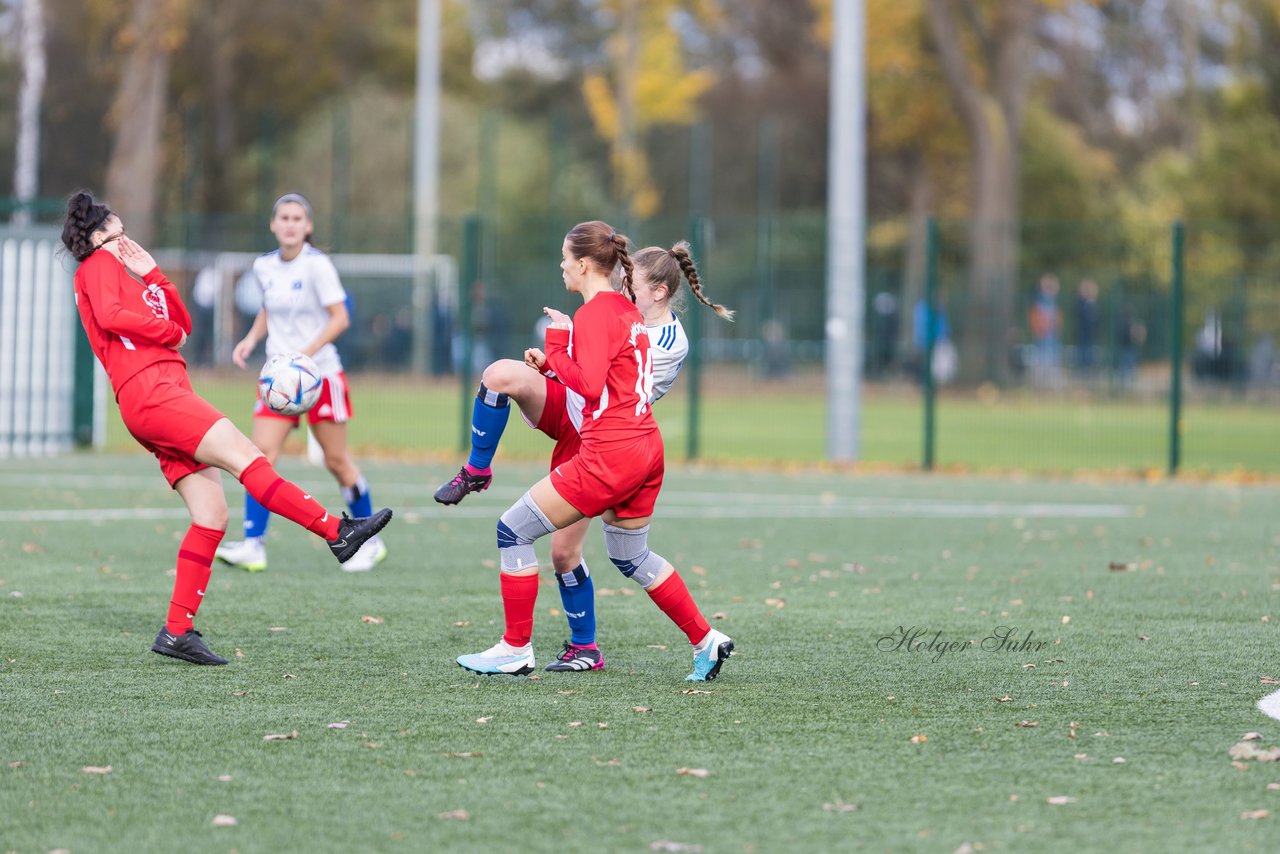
<point>339,321</point>
<point>102,290</point>
<point>244,347</point>
<point>586,369</point>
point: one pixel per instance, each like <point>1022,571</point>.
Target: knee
<point>339,465</point>
<point>502,377</point>
<point>565,558</point>
<point>212,516</point>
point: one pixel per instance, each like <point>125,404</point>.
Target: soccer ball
<point>290,384</point>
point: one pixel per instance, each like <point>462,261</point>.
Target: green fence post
<point>926,368</point>
<point>470,275</point>
<point>82,389</point>
<point>1175,351</point>
<point>693,364</point>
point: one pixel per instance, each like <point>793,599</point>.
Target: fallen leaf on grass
<point>465,754</point>
<point>461,624</point>
<point>693,772</point>
<point>1269,680</point>
<point>368,620</point>
<point>566,693</point>
<point>31,548</point>
<point>574,724</point>
<point>281,736</point>
<point>607,762</point>
<point>95,769</point>
<point>919,739</point>
<point>288,676</point>
<point>1117,566</point>
<point>642,708</point>
<point>1028,724</point>
<point>655,646</point>
<point>698,570</point>
<point>17,763</point>
<point>1251,736</point>
<point>840,806</point>
<point>1144,637</point>
<point>239,693</point>
<point>1273,786</point>
<point>695,691</point>
<point>339,724</point>
<point>484,720</point>
<point>1249,750</point>
<point>776,603</point>
<point>224,821</point>
<point>239,652</point>
<point>454,815</point>
<point>1253,815</point>
<point>602,725</point>
<point>1119,760</point>
<point>1028,667</point>
<point>1059,800</point>
<point>719,615</point>
<point>372,745</point>
<point>225,778</point>
<point>1065,619</point>
<point>278,629</point>
<point>667,845</point>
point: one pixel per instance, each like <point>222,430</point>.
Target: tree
<point>987,57</point>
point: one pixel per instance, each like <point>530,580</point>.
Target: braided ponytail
<point>628,268</point>
<point>681,253</point>
<point>84,217</point>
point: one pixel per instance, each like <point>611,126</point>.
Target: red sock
<point>286,499</point>
<point>195,557</point>
<point>677,603</point>
<point>519,593</point>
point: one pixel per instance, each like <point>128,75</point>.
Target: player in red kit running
<point>618,470</point>
<point>136,324</point>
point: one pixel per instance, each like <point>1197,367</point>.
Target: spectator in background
<point>1045,321</point>
<point>884,334</point>
<point>489,327</point>
<point>929,324</point>
<point>1087,319</point>
<point>1131,334</point>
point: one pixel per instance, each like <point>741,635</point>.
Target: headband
<point>296,198</point>
<point>97,223</point>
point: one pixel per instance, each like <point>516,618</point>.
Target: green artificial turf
<point>1158,604</point>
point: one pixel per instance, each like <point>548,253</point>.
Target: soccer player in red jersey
<point>617,472</point>
<point>136,324</point>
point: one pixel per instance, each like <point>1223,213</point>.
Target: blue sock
<point>579,599</point>
<point>255,518</point>
<point>488,420</point>
<point>357,498</point>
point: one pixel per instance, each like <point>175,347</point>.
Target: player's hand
<point>535,358</point>
<point>181,341</point>
<point>137,259</point>
<point>243,350</point>
<point>557,316</point>
<point>559,325</point>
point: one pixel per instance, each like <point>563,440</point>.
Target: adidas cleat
<point>463,484</point>
<point>576,658</point>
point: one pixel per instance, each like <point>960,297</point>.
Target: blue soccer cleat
<point>716,647</point>
<point>500,658</point>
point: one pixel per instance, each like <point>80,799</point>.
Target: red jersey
<point>606,359</point>
<point>130,325</point>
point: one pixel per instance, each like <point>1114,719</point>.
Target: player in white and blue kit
<point>304,310</point>
<point>550,407</point>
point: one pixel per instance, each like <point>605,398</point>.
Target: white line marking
<point>1270,705</point>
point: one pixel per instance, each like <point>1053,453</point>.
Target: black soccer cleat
<point>352,533</point>
<point>463,484</point>
<point>577,658</point>
<point>188,646</point>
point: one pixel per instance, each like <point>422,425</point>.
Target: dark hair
<point>606,248</point>
<point>84,217</point>
<point>664,266</point>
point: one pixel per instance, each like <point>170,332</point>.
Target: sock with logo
<point>280,496</point>
<point>519,594</point>
<point>256,518</point>
<point>195,557</point>
<point>357,498</point>
<point>578,596</point>
<point>488,419</point>
<point>673,597</point>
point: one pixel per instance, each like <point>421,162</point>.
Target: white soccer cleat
<point>716,647</point>
<point>500,658</point>
<point>250,554</point>
<point>372,553</point>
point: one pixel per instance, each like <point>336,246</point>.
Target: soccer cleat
<point>187,646</point>
<point>500,658</point>
<point>372,553</point>
<point>352,533</point>
<point>575,658</point>
<point>706,664</point>
<point>250,554</point>
<point>463,484</point>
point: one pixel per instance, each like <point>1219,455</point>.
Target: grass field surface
<point>1156,604</point>
<point>745,421</point>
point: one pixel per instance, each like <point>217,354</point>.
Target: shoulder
<point>669,336</point>
<point>267,260</point>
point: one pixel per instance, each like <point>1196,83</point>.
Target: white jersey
<point>297,295</point>
<point>668,346</point>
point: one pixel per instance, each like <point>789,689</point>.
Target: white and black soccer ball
<point>290,384</point>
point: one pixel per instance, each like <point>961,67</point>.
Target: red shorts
<point>557,424</point>
<point>334,404</point>
<point>625,479</point>
<point>167,418</point>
